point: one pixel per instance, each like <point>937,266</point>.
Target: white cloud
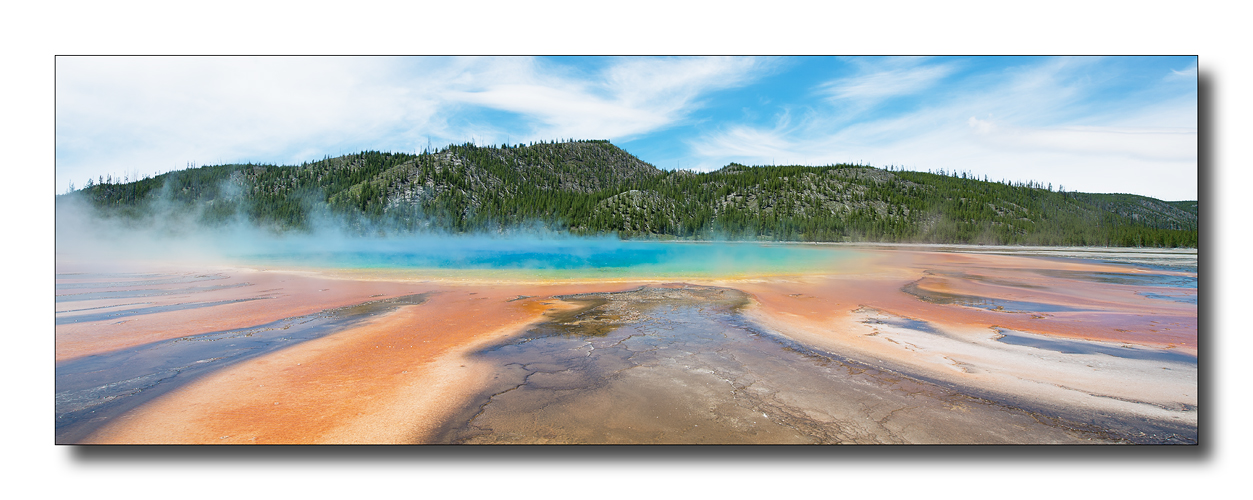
<point>1152,144</point>
<point>147,114</point>
<point>566,113</point>
<point>157,113</point>
<point>1030,124</point>
<point>628,98</point>
<point>670,85</point>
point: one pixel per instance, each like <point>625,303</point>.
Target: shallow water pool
<point>564,257</point>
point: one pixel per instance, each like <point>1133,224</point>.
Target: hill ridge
<point>594,187</point>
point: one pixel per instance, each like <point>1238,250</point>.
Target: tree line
<point>593,187</point>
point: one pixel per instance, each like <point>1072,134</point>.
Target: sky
<point>1092,124</point>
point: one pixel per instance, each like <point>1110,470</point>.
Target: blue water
<point>607,256</point>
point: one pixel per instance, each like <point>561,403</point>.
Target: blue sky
<point>1096,124</point>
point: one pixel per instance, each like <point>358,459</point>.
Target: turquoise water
<point>576,256</point>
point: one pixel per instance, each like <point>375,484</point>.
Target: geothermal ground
<point>895,345</point>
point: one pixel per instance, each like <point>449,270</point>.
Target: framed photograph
<point>799,250</point>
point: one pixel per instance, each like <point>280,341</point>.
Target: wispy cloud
<point>878,82</point>
<point>1189,73</point>
<point>748,142</point>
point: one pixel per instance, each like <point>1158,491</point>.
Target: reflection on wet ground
<point>1156,280</point>
<point>63,317</point>
<point>112,286</point>
<point>1173,296</point>
<point>1172,286</point>
<point>989,303</point>
<point>1066,346</point>
<point>1175,259</point>
<point>1059,363</point>
<point>158,292</point>
<point>900,322</point>
<point>679,364</point>
<point>94,389</point>
<point>995,280</point>
<point>69,281</point>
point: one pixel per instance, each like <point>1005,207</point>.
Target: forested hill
<point>593,187</point>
